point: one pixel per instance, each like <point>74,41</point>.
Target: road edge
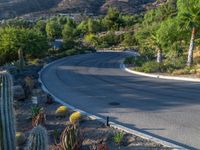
<point>123,67</point>
<point>112,124</point>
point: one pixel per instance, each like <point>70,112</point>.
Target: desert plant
<point>118,137</point>
<point>20,138</point>
<point>21,59</point>
<point>38,116</point>
<point>35,111</point>
<point>75,117</point>
<point>29,82</point>
<point>56,136</point>
<point>71,138</point>
<point>40,119</point>
<point>7,118</point>
<point>38,139</point>
<point>61,111</point>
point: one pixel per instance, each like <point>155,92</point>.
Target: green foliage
<point>53,29</point>
<point>82,27</point>
<point>136,61</point>
<point>108,40</point>
<point>151,67</point>
<point>118,138</point>
<point>35,111</point>
<point>113,19</point>
<point>129,40</point>
<point>91,39</point>
<point>7,117</point>
<point>189,13</point>
<point>69,36</point>
<point>17,23</point>
<point>93,26</point>
<point>41,26</point>
<point>33,44</point>
<point>161,13</point>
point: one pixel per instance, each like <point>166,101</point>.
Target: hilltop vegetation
<point>13,8</point>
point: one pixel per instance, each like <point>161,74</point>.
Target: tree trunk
<point>159,55</point>
<point>191,48</point>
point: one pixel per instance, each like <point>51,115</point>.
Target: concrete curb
<point>123,67</point>
<point>112,124</point>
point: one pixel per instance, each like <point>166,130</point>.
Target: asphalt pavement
<point>166,109</point>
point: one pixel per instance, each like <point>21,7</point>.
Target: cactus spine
<point>21,59</point>
<point>7,118</point>
<point>71,138</point>
<point>38,139</point>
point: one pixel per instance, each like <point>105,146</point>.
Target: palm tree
<point>154,42</point>
<point>189,13</point>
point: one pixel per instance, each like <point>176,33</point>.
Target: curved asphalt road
<point>166,109</point>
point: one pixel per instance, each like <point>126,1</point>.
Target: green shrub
<point>172,65</point>
<point>136,61</point>
<point>151,67</point>
<point>118,138</point>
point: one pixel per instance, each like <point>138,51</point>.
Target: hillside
<point>13,8</point>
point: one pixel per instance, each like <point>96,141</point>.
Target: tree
<point>91,39</point>
<point>69,35</point>
<point>33,44</point>
<point>93,26</point>
<point>129,40</point>
<point>41,26</point>
<point>83,27</point>
<point>170,36</point>
<point>189,14</point>
<point>53,29</point>
<point>113,20</point>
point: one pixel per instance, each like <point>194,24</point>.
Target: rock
<point>20,138</point>
<point>19,93</point>
<point>40,94</point>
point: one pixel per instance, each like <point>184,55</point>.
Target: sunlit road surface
<point>166,109</point>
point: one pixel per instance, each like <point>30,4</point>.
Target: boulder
<point>19,93</point>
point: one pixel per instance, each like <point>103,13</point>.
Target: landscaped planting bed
<point>92,134</point>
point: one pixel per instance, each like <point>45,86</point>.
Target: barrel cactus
<point>7,118</point>
<point>75,117</point>
<point>71,138</point>
<point>38,139</point>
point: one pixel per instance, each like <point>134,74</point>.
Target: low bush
<point>180,72</point>
<point>151,67</point>
<point>136,61</point>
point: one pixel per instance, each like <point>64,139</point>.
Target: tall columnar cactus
<point>7,118</point>
<point>21,59</point>
<point>38,139</point>
<point>71,138</point>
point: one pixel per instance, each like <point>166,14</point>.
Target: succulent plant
<point>118,138</point>
<point>75,117</point>
<point>40,119</point>
<point>7,118</point>
<point>21,59</point>
<point>62,111</point>
<point>20,138</point>
<point>71,138</point>
<point>38,139</point>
